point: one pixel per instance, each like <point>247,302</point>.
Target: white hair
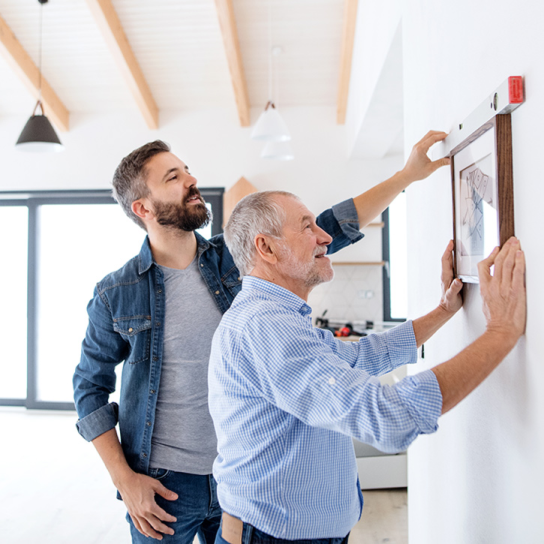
<point>257,213</point>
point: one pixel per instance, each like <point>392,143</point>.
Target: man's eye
<point>172,178</point>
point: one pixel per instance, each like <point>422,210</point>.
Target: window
<point>395,272</point>
<point>59,245</point>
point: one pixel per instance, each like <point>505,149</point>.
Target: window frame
<point>33,200</point>
<point>386,271</point>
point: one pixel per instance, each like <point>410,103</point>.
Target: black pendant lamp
<point>38,134</point>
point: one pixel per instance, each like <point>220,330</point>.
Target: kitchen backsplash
<point>355,294</point>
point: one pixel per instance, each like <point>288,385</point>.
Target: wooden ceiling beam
<point>28,72</point>
<point>110,26</point>
<point>348,39</point>
<point>227,22</point>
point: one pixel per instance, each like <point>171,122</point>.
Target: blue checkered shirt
<point>286,398</point>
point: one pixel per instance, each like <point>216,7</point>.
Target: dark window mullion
<point>32,325</point>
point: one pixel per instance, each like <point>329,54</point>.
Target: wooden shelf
<point>379,225</point>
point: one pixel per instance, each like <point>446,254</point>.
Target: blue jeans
<point>196,509</point>
<point>251,535</point>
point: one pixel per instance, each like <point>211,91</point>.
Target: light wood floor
<point>54,489</point>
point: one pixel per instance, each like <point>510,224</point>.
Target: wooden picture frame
<point>483,195</point>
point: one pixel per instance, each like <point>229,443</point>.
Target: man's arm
<point>373,202</point>
<point>504,303</point>
<point>94,380</point>
<point>137,490</point>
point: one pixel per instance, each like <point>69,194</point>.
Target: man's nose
<point>324,238</point>
<point>190,180</point>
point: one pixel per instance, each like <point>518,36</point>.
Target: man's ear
<point>142,209</point>
<point>266,248</point>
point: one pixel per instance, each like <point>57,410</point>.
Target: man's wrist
<point>402,179</point>
<point>502,336</point>
<point>443,313</point>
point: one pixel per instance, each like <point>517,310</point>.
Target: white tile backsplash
<point>355,294</point>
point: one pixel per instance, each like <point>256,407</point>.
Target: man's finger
<point>432,138</point>
<point>447,264</point>
<point>518,276</point>
<point>455,287</point>
<point>507,267</point>
<point>164,493</point>
<point>503,253</point>
<point>159,526</point>
<point>162,515</point>
<point>435,165</point>
<point>485,265</point>
<point>147,530</point>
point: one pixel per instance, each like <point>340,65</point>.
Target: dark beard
<point>178,215</point>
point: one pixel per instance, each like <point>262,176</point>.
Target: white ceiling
<point>179,47</point>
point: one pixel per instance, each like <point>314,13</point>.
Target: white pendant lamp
<point>270,126</point>
<point>280,151</point>
<point>38,134</point>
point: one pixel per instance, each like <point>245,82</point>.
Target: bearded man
<point>157,314</point>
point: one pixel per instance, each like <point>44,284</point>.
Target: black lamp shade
<point>39,135</point>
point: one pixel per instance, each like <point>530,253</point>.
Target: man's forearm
<point>461,375</point>
<point>109,448</point>
<point>373,202</point>
<point>426,326</point>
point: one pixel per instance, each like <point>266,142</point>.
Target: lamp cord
<point>40,57</point>
<point>270,50</point>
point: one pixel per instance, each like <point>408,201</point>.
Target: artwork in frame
<point>483,199</point>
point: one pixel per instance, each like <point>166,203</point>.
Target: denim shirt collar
<point>145,256</point>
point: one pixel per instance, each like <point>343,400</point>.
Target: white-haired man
<point>286,398</point>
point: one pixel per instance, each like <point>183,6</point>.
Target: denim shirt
<point>126,324</point>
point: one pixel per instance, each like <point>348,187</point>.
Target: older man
<point>286,398</point>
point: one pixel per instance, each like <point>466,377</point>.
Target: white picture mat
<point>476,204</point>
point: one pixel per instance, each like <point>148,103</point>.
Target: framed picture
<point>483,197</point>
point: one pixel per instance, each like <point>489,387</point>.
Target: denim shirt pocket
<point>136,331</point>
<point>232,281</point>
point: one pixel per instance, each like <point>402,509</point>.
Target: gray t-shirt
<point>183,436</point>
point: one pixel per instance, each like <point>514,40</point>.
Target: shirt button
<point>217,292</point>
<point>159,291</point>
<point>158,324</point>
<point>152,391</point>
<point>144,454</point>
<point>201,264</point>
<point>332,381</point>
<point>155,358</point>
<point>149,423</point>
<point>131,329</point>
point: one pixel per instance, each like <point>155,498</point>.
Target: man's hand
<point>419,166</point>
<point>138,493</point>
<point>451,300</point>
<point>503,294</point>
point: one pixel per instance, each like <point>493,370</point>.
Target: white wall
<point>376,27</point>
<point>480,478</point>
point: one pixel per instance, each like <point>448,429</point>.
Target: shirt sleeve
<point>342,223</point>
<point>299,373</point>
<point>94,377</point>
<point>376,354</point>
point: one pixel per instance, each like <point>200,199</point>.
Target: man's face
<point>302,250</point>
<point>176,202</point>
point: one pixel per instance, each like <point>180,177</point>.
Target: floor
<point>54,489</point>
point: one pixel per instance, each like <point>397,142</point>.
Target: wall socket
<point>365,293</point>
